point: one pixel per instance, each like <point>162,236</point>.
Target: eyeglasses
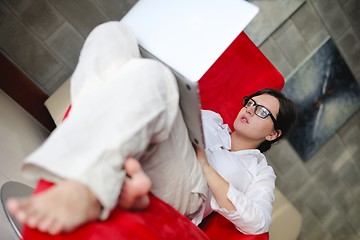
<point>260,110</point>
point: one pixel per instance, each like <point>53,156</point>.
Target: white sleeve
<point>253,207</point>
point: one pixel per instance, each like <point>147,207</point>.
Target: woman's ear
<point>273,135</point>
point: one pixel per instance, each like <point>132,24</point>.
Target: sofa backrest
<point>241,70</point>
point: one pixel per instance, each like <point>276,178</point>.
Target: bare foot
<point>135,188</point>
<point>61,208</point>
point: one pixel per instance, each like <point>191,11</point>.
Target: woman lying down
<point>126,107</point>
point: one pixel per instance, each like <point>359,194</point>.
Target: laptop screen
<point>188,35</point>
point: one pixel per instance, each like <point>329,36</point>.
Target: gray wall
<point>325,189</point>
<point>44,38</point>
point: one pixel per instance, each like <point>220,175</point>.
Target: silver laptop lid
<point>188,36</point>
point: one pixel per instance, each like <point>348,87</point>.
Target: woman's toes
<point>32,221</point>
<point>132,166</point>
<point>45,224</point>
<point>55,228</point>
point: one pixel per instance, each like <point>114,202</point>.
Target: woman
<point>125,106</point>
<point>241,183</point>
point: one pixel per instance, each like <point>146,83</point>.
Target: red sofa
<point>241,70</point>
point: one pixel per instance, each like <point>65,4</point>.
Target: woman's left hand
<point>218,185</point>
<point>201,156</point>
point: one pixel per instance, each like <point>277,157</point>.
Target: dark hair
<point>285,118</point>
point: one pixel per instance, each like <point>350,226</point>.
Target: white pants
<point>122,105</point>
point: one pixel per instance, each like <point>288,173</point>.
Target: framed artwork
<point>272,13</point>
<point>326,95</point>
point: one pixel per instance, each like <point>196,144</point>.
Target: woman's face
<point>253,127</point>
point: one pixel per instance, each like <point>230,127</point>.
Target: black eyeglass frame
<point>246,99</point>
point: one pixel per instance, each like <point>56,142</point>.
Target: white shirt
<point>251,179</point>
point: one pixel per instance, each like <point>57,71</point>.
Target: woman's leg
<point>108,47</point>
<point>111,125</point>
<point>175,171</point>
<point>136,106</point>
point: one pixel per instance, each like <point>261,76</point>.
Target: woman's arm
<point>249,211</point>
<point>218,185</point>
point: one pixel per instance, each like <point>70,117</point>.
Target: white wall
<point>20,134</point>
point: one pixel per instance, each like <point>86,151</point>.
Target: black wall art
<point>326,95</point>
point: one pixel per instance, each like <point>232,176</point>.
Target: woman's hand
<point>217,184</point>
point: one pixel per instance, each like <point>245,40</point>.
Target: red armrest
<point>217,227</point>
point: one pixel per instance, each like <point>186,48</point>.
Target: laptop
<point>188,36</point>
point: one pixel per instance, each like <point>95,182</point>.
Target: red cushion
<point>241,70</point>
<point>159,221</point>
<point>216,227</point>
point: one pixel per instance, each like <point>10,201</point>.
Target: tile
<point>66,43</point>
<point>115,9</point>
<point>276,57</point>
<point>296,176</point>
<point>84,16</point>
<point>327,177</point>
<point>339,227</point>
<point>39,15</point>
<point>349,46</point>
<point>341,163</point>
<point>58,80</point>
<point>302,237</point>
<point>344,199</point>
<point>350,136</point>
<point>312,228</point>
<point>271,15</point>
<point>320,205</point>
<point>283,156</point>
<point>352,10</point>
<point>310,25</point>
<point>316,161</point>
<point>298,199</point>
<point>332,15</point>
<point>356,191</point>
<point>333,148</point>
<point>291,43</point>
<point>354,236</point>
<point>350,173</point>
<point>25,49</point>
<point>354,219</point>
